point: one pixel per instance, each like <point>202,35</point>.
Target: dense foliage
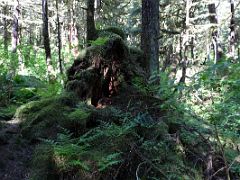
<point>89,108</point>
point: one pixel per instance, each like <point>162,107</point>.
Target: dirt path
<point>15,152</point>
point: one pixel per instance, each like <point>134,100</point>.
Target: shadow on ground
<point>15,152</point>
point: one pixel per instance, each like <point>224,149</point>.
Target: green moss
<point>79,116</point>
<point>92,51</point>
<point>99,41</point>
<point>105,147</point>
<point>42,123</point>
<point>41,119</point>
<point>77,120</point>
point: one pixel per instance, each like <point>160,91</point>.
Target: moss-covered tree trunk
<point>150,34</point>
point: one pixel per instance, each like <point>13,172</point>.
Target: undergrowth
<point>196,135</point>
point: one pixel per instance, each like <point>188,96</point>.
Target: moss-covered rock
<point>42,119</point>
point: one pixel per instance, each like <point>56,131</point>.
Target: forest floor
<point>15,152</point>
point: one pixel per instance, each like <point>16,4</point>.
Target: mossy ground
<point>78,141</point>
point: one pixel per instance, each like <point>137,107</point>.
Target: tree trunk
<point>5,30</point>
<point>192,48</point>
<point>91,30</point>
<point>59,40</point>
<point>46,40</point>
<point>15,27</point>
<point>70,24</point>
<point>150,34</point>
<point>30,31</point>
<point>214,20</point>
<point>185,41</point>
<point>232,30</point>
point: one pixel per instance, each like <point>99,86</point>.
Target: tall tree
<point>91,29</point>
<point>46,40</point>
<point>5,30</point>
<point>232,30</point>
<point>59,40</point>
<point>15,26</point>
<point>215,34</point>
<point>150,34</point>
<point>185,41</point>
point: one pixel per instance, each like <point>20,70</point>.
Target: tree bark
<point>5,30</point>
<point>232,30</point>
<point>46,40</point>
<point>15,26</point>
<point>150,34</point>
<point>91,30</point>
<point>59,40</point>
<point>214,20</point>
<point>185,41</point>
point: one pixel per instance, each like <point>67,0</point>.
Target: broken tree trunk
<point>100,71</point>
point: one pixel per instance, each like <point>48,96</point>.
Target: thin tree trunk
<point>46,40</point>
<point>150,34</point>
<point>168,60</point>
<point>185,42</point>
<point>5,30</point>
<point>184,66</point>
<point>232,30</point>
<point>91,30</point>
<point>214,20</point>
<point>192,48</point>
<point>30,39</point>
<point>70,24</point>
<point>15,27</point>
<point>59,40</point>
<point>238,53</point>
